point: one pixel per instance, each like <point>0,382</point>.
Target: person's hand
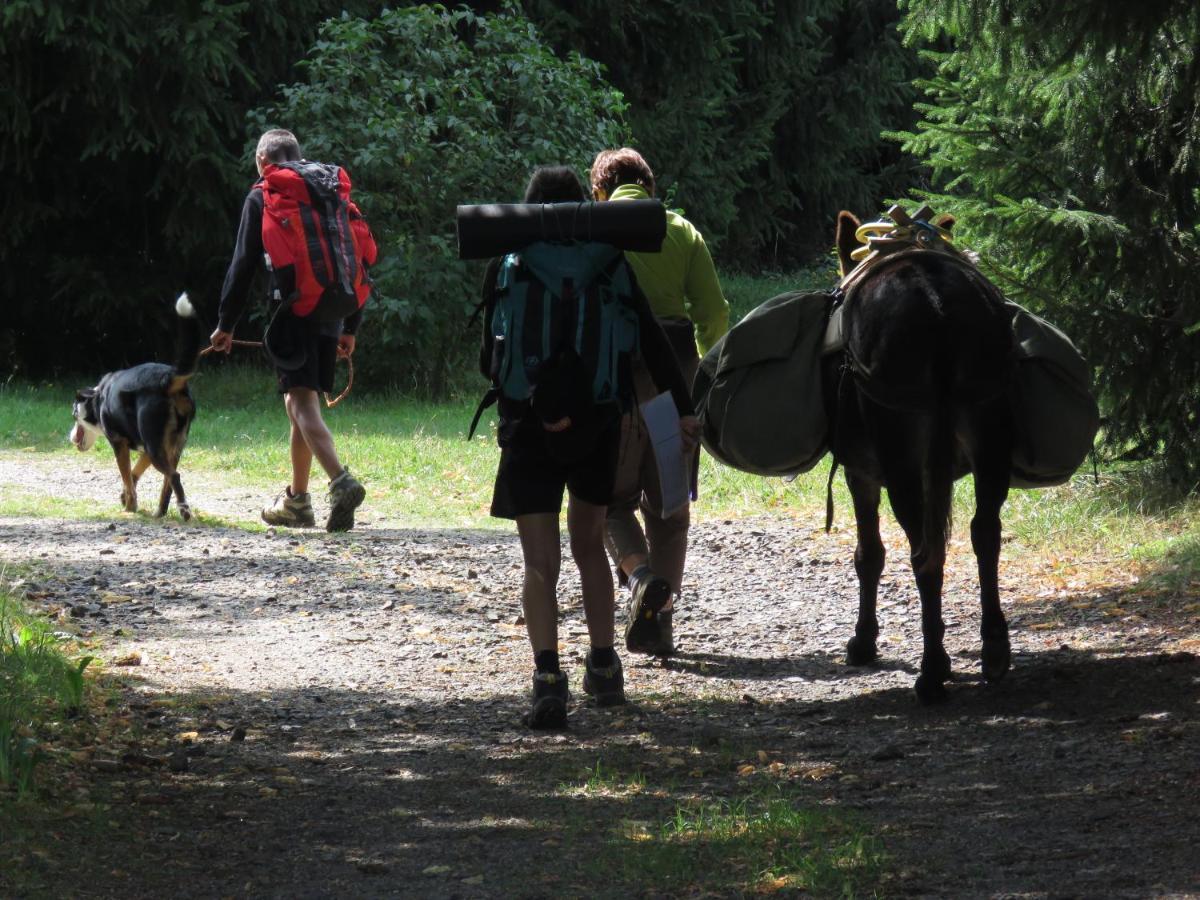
<point>222,341</point>
<point>345,346</point>
<point>689,431</point>
<point>561,425</point>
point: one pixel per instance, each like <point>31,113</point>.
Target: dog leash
<point>330,404</point>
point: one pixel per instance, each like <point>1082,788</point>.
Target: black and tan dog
<point>148,408</point>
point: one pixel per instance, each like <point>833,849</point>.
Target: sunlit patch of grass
<point>764,843</point>
<point>19,502</point>
<point>744,292</point>
<point>606,779</point>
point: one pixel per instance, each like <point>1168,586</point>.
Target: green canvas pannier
<point>758,390</point>
<point>1055,416</point>
<point>761,407</point>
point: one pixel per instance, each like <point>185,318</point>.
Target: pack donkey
<point>918,399</point>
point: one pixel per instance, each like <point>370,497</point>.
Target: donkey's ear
<point>945,220</point>
<point>847,224</point>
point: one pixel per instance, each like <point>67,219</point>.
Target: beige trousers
<point>662,540</point>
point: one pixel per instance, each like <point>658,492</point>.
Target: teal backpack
<point>564,329</point>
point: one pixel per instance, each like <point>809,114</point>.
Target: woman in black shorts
<point>532,474</point>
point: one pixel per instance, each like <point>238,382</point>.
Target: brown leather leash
<point>330,404</point>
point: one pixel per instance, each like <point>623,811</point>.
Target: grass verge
<point>41,686</point>
<point>422,472</point>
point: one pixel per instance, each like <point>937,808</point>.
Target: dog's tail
<point>190,341</point>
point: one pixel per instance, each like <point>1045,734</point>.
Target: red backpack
<point>312,227</point>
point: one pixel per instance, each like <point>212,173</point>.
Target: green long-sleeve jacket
<point>680,281</point>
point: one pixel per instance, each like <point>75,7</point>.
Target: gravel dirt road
<point>340,716</point>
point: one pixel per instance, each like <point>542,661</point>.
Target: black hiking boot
<point>606,685</point>
<point>649,593</point>
<point>665,645</point>
<point>550,695</point>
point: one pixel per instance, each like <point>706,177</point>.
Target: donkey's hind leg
<point>928,563</point>
<point>991,466</point>
<point>868,564</point>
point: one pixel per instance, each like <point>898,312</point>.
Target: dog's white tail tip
<point>184,307</point>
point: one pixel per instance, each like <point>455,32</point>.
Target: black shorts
<point>304,353</point>
<point>531,480</point>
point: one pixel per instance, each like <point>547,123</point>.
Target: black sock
<point>603,657</point>
<point>546,661</point>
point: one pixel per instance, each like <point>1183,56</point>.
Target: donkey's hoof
<point>931,689</point>
<point>996,658</point>
<point>861,652</point>
<point>937,666</point>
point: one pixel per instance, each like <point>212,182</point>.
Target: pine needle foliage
<point>1065,137</point>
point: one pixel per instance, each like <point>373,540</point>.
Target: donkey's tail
<point>937,473</point>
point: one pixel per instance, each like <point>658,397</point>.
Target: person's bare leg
<point>304,409</point>
<point>585,524</point>
<point>539,600</point>
<point>300,454</point>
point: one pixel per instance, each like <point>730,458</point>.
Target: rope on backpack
<point>330,404</point>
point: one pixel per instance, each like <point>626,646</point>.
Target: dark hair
<point>554,184</point>
<point>613,168</point>
<point>278,145</point>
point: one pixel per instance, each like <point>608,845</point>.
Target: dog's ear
<point>85,394</point>
<point>846,242</point>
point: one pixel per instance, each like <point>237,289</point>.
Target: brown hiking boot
<point>346,494</point>
<point>290,510</point>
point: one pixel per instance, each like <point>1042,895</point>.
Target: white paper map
<point>662,423</point>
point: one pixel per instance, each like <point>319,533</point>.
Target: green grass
<point>763,843</point>
<point>422,472</point>
<point>39,685</point>
<point>744,292</point>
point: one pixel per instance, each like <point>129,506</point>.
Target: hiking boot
<point>345,496</point>
<point>550,697</point>
<point>665,645</point>
<point>290,510</point>
<point>606,685</point>
<point>649,593</point>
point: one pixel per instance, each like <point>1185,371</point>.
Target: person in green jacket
<point>685,295</point>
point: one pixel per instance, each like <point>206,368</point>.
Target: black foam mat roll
<point>492,229</point>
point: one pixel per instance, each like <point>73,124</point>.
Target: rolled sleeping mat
<point>493,229</point>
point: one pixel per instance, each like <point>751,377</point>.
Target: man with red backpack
<point>299,218</point>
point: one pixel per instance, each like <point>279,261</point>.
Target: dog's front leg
<point>128,485</point>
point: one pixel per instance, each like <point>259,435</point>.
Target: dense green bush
<point>428,108</point>
<point>1067,138</point>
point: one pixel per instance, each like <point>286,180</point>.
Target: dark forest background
<point>1064,136</point>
